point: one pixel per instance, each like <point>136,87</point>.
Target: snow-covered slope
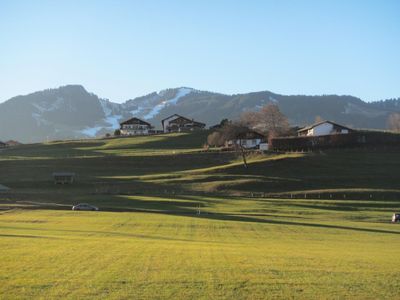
<point>146,108</point>
<point>110,122</point>
<point>181,92</point>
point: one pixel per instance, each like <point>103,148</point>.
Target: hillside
<point>178,222</point>
<point>72,112</point>
<point>176,163</point>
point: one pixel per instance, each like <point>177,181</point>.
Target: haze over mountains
<point>72,112</point>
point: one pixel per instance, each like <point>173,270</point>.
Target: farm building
<point>323,128</point>
<point>63,177</point>
<point>2,145</point>
<point>135,126</point>
<point>249,140</point>
<point>177,123</point>
<point>12,143</point>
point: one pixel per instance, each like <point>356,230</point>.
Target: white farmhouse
<point>248,140</point>
<point>135,126</point>
<point>324,128</point>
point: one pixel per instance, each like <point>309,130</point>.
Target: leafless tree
<point>230,131</point>
<point>269,120</point>
<point>215,139</point>
<point>394,122</point>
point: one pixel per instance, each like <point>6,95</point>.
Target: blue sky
<point>123,49</point>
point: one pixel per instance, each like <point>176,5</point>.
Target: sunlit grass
<point>179,222</point>
<point>281,254</point>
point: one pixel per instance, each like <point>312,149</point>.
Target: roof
<point>13,143</point>
<point>177,116</point>
<point>181,117</point>
<point>249,135</point>
<point>322,122</point>
<point>135,121</point>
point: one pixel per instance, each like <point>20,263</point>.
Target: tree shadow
<point>191,209</point>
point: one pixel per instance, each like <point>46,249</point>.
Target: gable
<point>324,124</point>
<point>135,121</point>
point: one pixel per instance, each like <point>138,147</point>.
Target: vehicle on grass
<point>85,206</point>
<point>395,218</point>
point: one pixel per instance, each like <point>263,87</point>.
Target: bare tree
<point>215,139</point>
<point>393,122</point>
<point>230,131</point>
<point>269,120</point>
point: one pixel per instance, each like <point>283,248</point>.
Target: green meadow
<point>178,221</point>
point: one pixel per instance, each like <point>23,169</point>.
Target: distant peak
<point>72,87</point>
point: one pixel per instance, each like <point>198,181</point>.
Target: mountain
<point>72,112</point>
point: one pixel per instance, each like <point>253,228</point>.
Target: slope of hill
<point>178,222</point>
<point>71,112</point>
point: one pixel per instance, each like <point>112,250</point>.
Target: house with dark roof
<point>178,123</point>
<point>2,145</point>
<point>135,126</point>
<point>248,140</point>
<point>324,128</point>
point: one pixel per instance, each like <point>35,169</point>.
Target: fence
<point>354,139</point>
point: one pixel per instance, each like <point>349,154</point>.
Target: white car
<point>395,218</point>
<point>85,206</point>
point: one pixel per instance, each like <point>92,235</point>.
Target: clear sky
<point>123,49</point>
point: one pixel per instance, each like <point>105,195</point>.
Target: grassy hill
<point>177,221</point>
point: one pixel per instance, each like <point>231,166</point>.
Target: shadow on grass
<point>189,208</point>
<point>26,236</point>
<point>92,232</point>
<point>241,218</point>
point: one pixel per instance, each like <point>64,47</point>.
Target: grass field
<point>149,240</point>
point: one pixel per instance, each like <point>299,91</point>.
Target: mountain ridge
<point>71,111</point>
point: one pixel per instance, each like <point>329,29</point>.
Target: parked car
<point>85,206</point>
<point>395,218</point>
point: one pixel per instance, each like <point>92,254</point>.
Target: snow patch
<point>53,106</point>
<point>156,109</point>
<point>110,121</point>
<point>45,107</point>
<point>273,99</point>
<point>113,121</point>
<point>110,118</point>
<point>137,111</point>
